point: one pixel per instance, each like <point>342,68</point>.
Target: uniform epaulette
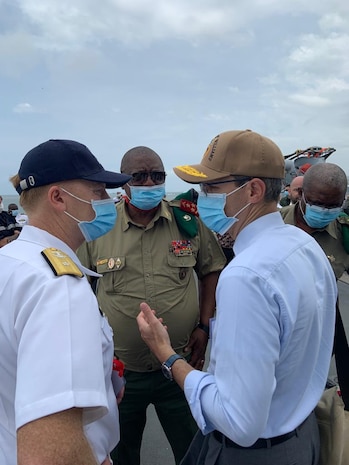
<point>185,213</point>
<point>60,263</point>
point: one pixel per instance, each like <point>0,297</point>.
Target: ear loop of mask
<point>243,208</point>
<point>75,197</point>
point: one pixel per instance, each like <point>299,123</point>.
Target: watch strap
<point>204,328</point>
<point>167,365</point>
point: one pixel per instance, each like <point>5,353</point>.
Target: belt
<point>261,443</point>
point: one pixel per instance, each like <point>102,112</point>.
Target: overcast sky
<point>171,75</point>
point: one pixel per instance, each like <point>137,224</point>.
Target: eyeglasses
<point>205,185</point>
<point>141,177</point>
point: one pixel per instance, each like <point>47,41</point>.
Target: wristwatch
<point>167,366</point>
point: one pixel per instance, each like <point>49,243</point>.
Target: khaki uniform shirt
<point>153,264</point>
<point>330,239</point>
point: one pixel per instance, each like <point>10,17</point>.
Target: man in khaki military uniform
<point>151,255</point>
<point>317,213</point>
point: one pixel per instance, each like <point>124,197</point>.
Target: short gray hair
<point>272,187</point>
<point>325,174</point>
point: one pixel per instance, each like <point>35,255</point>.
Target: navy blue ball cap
<point>64,160</point>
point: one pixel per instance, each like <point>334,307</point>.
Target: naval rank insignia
<point>60,263</point>
<point>181,248</point>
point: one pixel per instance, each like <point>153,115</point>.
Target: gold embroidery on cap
<point>190,170</point>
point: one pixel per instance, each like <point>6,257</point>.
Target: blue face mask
<point>147,197</point>
<point>102,223</point>
<point>211,211</point>
<point>14,212</point>
<point>319,217</point>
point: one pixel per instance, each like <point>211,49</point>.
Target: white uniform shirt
<point>56,349</point>
<point>273,335</point>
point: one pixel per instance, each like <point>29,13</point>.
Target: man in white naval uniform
<point>57,404</point>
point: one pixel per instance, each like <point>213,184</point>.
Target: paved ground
<point>156,449</point>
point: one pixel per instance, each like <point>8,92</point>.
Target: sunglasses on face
<point>141,177</point>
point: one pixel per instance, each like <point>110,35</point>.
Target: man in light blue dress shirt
<point>273,332</point>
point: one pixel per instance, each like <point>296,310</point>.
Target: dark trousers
<point>172,410</point>
<point>301,449</point>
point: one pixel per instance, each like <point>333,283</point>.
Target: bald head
<point>295,189</point>
<point>140,156</point>
<point>325,176</point>
<point>325,184</point>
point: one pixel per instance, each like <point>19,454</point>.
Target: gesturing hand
<point>154,333</point>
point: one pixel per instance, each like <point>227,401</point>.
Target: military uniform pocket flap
<point>181,261</point>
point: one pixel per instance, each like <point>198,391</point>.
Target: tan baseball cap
<point>230,153</point>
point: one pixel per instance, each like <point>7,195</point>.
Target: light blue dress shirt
<point>272,337</point>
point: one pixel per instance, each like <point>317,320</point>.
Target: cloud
<point>310,100</point>
<point>331,21</point>
<point>319,69</point>
<point>216,117</point>
<point>24,108</point>
<point>17,53</point>
<point>118,73</point>
<point>234,89</point>
<point>315,50</point>
<point>67,25</point>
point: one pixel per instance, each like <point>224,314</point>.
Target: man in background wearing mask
<point>20,218</point>
<point>13,209</point>
<point>151,255</point>
<point>317,212</point>
<point>56,353</point>
<point>266,333</point>
<point>9,228</point>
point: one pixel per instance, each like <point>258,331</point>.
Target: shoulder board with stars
<point>189,206</point>
<point>60,263</point>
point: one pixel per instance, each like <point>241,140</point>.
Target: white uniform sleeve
<point>59,357</point>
